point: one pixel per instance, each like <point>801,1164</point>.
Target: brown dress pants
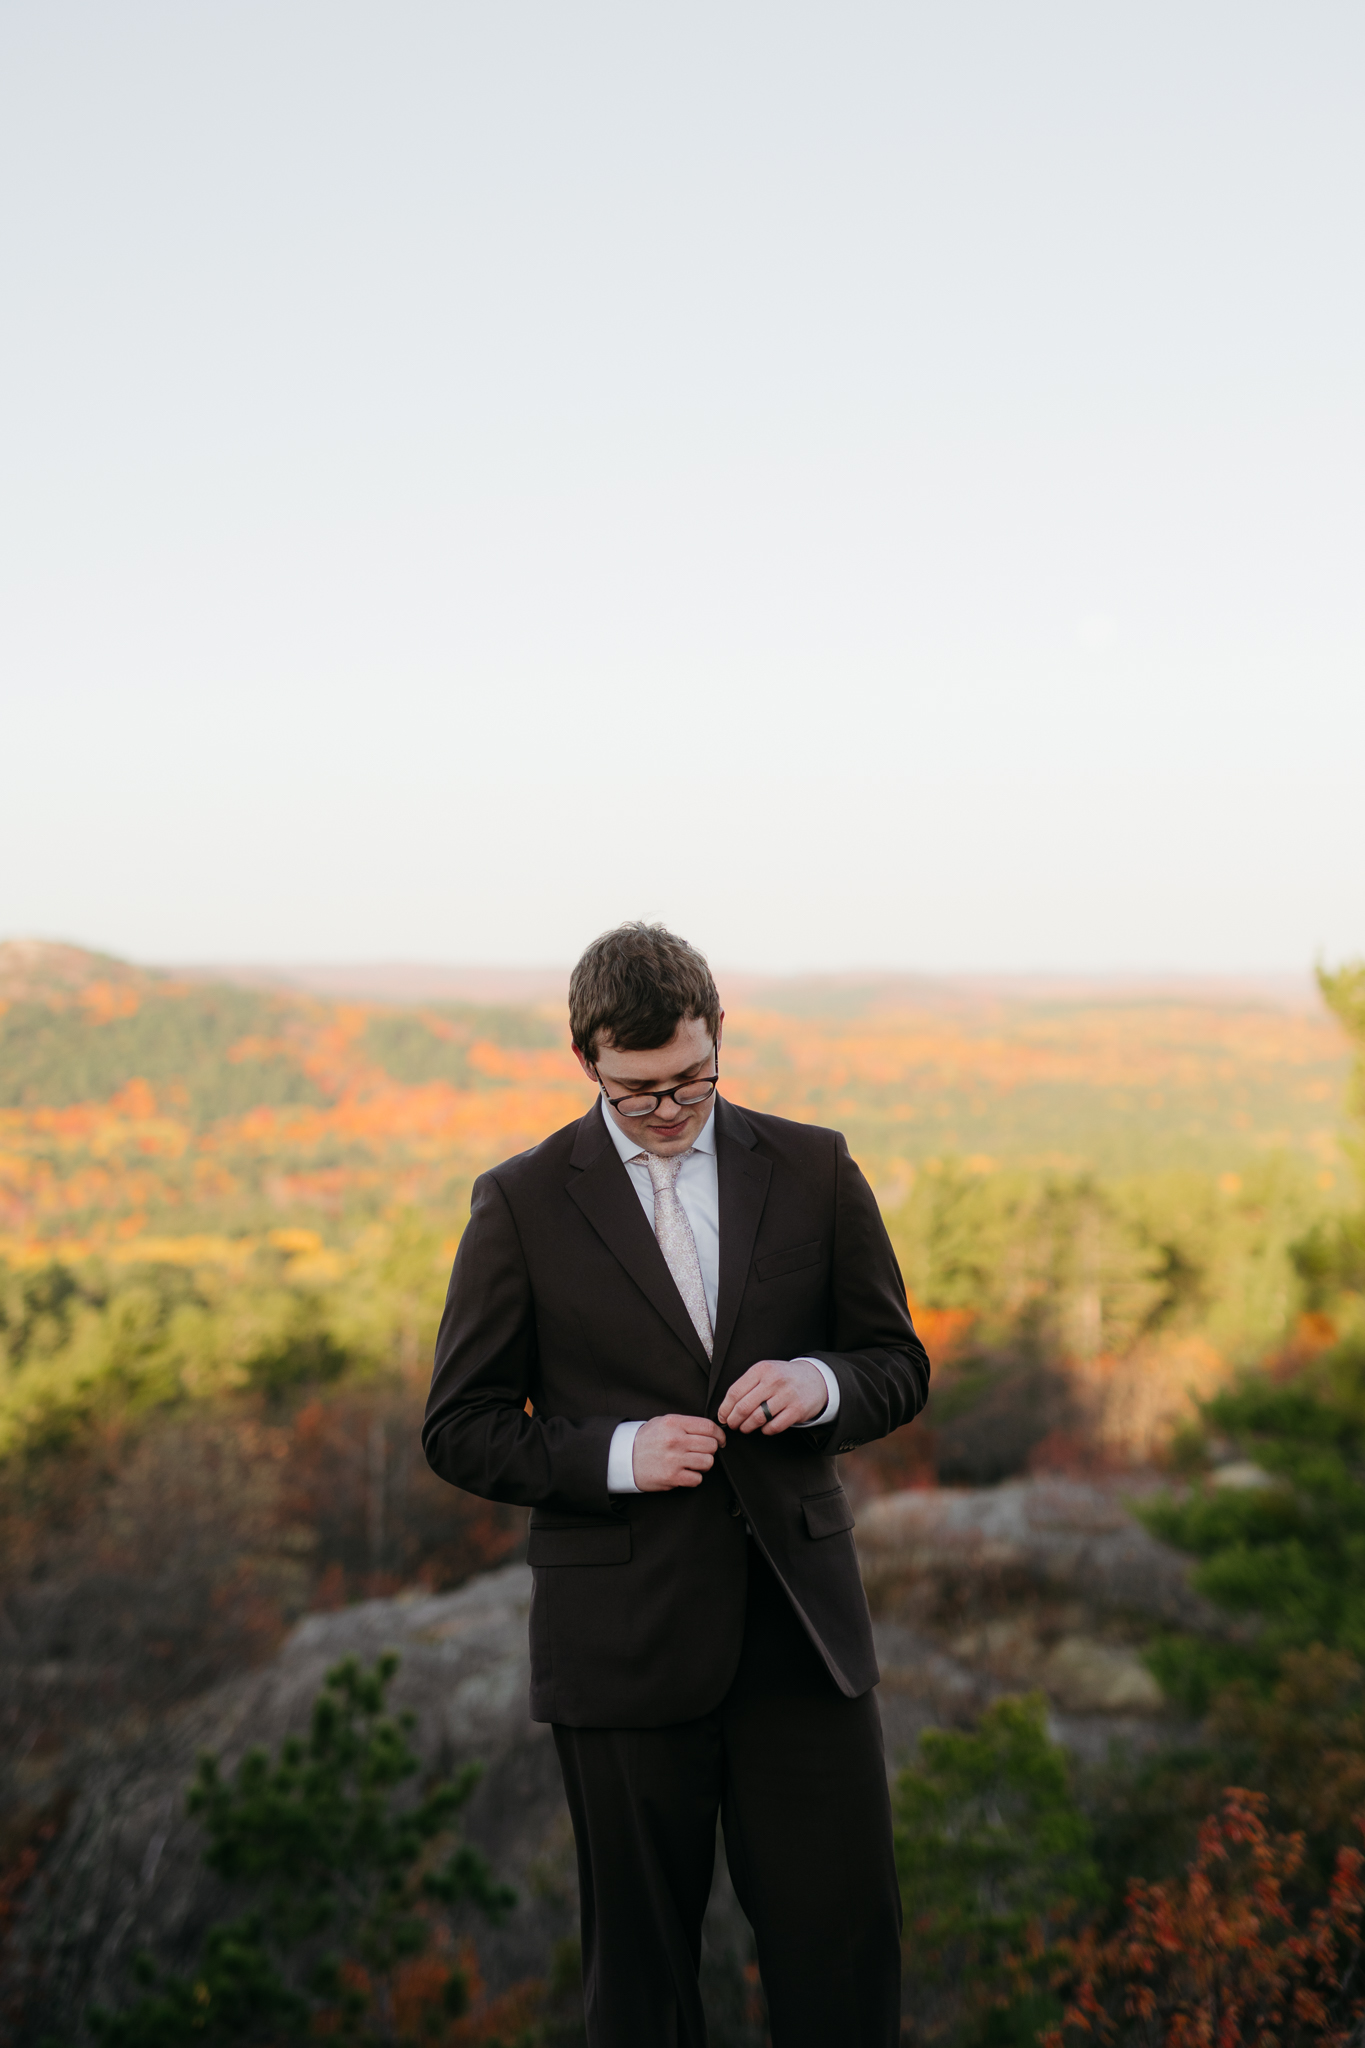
<point>797,1775</point>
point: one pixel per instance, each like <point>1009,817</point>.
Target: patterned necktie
<point>676,1241</point>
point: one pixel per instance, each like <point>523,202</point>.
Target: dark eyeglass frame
<point>656,1096</point>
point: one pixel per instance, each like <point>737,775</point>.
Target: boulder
<point>1050,1535</point>
<point>1041,1584</point>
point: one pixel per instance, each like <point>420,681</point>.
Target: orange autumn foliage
<point>907,1082</point>
<point>103,1001</point>
<point>944,1330</point>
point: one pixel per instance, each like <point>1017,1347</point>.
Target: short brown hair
<point>637,984</point>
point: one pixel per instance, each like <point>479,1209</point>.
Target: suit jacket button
<point>735,1508</point>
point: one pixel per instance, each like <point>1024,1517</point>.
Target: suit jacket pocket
<point>827,1514</point>
<point>774,1264</point>
<point>565,1541</point>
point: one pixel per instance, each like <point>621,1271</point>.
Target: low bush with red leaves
<point>1228,1954</point>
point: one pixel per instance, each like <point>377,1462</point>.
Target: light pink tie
<point>676,1241</point>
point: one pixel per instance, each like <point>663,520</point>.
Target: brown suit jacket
<point>560,1295</point>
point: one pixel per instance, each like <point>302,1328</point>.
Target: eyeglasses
<point>687,1095</point>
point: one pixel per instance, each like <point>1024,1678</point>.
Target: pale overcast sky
<point>871,484</point>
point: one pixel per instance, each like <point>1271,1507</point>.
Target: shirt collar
<point>705,1140</point>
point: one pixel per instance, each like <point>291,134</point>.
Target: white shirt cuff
<point>831,1407</point>
<point>621,1458</point>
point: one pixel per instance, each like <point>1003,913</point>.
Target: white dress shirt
<point>699,1192</point>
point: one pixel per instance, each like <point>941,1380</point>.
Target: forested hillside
<point>204,1185</point>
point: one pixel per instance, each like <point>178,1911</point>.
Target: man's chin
<point>663,1143</point>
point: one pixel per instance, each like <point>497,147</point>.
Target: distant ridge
<point>55,972</point>
<point>394,981</point>
<point>414,981</point>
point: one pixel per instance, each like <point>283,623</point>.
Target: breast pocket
<point>774,1264</point>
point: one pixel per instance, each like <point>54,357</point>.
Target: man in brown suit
<point>663,1323</point>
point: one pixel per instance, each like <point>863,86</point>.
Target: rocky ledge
<point>1045,1585</point>
<point>1036,1584</point>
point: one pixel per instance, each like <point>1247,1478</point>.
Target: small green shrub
<point>346,1884</point>
<point>994,1857</point>
<point>1287,1557</point>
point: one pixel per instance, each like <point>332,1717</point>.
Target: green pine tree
<point>346,1881</point>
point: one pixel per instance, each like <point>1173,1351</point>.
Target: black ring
<point>766,1410</point>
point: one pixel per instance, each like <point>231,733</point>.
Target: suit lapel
<point>742,1177</point>
<point>601,1187</point>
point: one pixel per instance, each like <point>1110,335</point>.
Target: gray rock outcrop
<point>974,1594</point>
<point>1050,1585</point>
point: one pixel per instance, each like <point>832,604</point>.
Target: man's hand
<point>793,1389</point>
<point>674,1450</point>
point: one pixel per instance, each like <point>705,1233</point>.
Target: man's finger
<point>783,1418</point>
<point>765,1378</point>
<point>742,1410</point>
<point>689,1428</point>
<point>738,1406</point>
<point>770,1388</point>
<point>744,1385</point>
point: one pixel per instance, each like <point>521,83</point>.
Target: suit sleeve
<point>477,1433</point>
<point>880,1364</point>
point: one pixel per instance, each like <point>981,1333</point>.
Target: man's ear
<point>584,1063</point>
<point>720,1025</point>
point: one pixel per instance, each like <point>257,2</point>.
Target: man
<point>663,1323</point>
